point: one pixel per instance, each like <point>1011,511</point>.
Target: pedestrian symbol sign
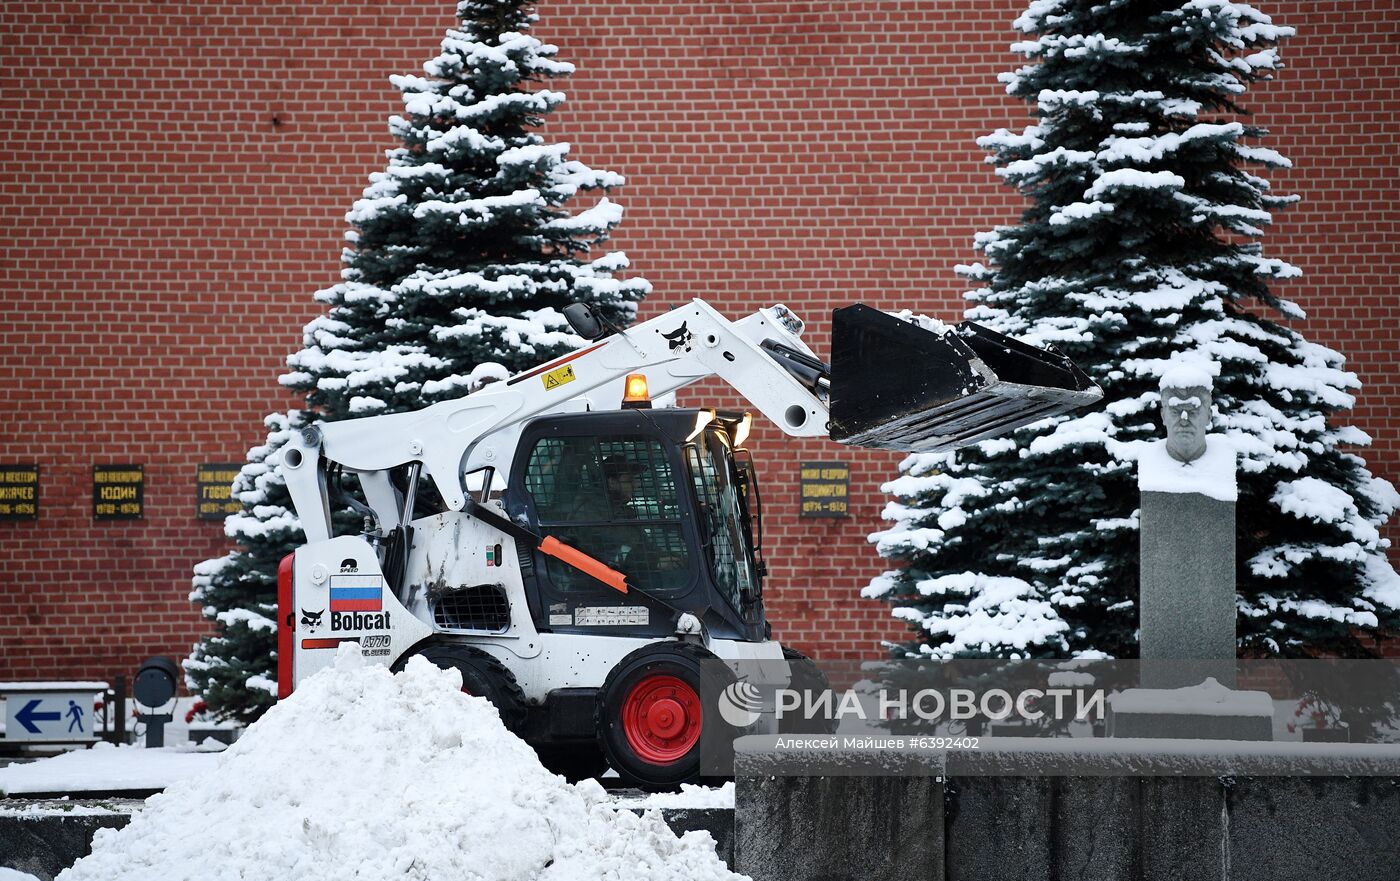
<point>75,713</point>
<point>59,716</point>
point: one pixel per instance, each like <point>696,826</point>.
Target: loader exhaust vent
<point>474,607</point>
<point>898,386</point>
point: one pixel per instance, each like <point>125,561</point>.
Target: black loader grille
<point>477,607</point>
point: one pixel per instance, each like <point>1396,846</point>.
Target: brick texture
<point>175,179</point>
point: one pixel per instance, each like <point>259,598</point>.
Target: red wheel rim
<point>661,718</point>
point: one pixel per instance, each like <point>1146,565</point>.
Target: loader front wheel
<point>482,676</point>
<point>652,711</point>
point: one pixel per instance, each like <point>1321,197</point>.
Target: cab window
<point>725,536</point>
<point>615,499</point>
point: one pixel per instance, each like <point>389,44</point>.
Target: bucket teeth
<point>897,386</point>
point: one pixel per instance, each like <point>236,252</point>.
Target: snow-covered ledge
<point>1208,711</point>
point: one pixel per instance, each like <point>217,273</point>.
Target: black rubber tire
<point>806,677</point>
<point>572,761</point>
<point>482,676</point>
<point>685,661</point>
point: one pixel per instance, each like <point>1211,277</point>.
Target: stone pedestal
<point>1187,600</point>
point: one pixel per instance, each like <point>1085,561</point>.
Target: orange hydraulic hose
<point>584,563</point>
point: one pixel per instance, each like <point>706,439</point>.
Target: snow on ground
<point>366,774</point>
<point>108,768</point>
<point>690,796</point>
<point>15,875</point>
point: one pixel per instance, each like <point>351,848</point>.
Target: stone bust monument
<point>1187,539</point>
<point>1186,416</point>
<point>1191,459</point>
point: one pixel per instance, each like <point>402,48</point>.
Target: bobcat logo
<point>678,338</point>
<point>311,620</point>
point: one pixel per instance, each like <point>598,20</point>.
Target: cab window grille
<point>614,498</point>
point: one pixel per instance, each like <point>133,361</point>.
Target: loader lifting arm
<point>930,391</point>
<point>475,432</point>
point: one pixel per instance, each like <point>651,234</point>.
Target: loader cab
<point>658,495</point>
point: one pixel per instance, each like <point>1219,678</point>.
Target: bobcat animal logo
<point>678,338</point>
<point>311,620</point>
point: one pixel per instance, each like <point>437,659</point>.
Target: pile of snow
<point>366,774</point>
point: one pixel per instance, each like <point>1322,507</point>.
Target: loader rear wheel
<point>653,710</point>
<point>482,676</point>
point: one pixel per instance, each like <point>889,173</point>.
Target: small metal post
<point>155,728</point>
<point>119,723</point>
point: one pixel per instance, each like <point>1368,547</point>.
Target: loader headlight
<point>702,419</point>
<point>741,431</point>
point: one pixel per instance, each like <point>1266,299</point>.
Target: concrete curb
<point>1139,811</point>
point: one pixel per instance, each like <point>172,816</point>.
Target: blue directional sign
<point>50,715</point>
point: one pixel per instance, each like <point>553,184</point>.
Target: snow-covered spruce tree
<point>1139,246</point>
<point>233,670</point>
<point>461,257</point>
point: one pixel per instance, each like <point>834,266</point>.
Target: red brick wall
<point>175,179</point>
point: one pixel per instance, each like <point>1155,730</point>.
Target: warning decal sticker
<point>555,378</point>
<point>610,616</point>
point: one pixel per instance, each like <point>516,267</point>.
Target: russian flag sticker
<point>357,593</point>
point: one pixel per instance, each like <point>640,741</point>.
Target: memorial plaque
<point>825,489</point>
<point>19,492</point>
<point>213,487</point>
<point>118,492</point>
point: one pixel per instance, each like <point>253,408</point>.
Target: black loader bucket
<point>897,386</point>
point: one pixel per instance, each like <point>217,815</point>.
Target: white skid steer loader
<point>578,555</point>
